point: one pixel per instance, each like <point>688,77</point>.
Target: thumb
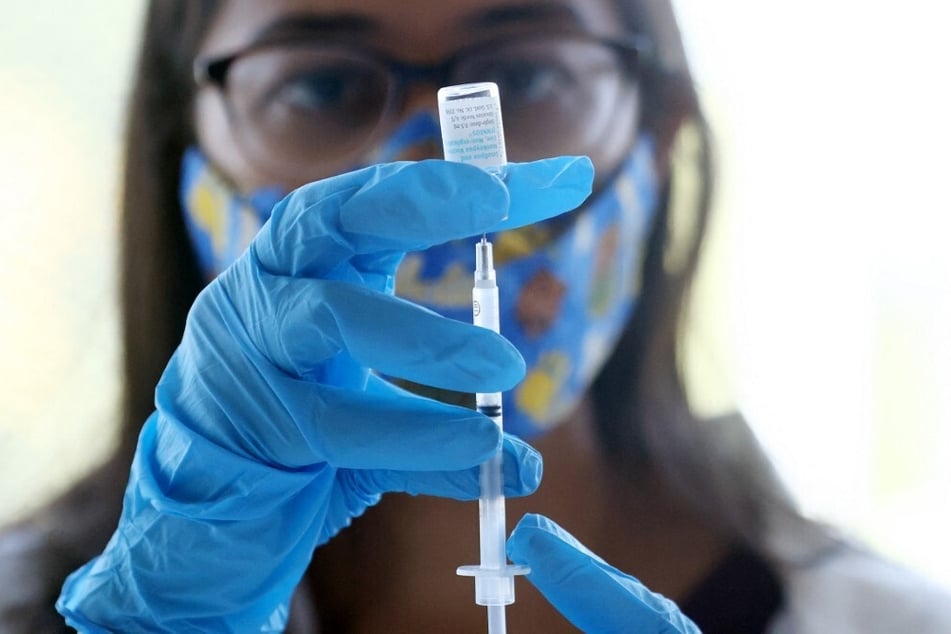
<point>589,592</point>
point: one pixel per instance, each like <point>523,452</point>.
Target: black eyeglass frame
<point>632,50</point>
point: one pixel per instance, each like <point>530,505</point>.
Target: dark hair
<point>159,275</point>
<point>641,403</point>
<point>643,412</point>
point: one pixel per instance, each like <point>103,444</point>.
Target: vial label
<point>470,117</point>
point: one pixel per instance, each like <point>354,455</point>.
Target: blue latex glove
<point>271,432</point>
<point>589,592</point>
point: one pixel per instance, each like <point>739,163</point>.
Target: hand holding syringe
<point>471,121</point>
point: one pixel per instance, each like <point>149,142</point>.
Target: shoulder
<point>30,573</point>
<point>39,551</point>
<point>853,590</point>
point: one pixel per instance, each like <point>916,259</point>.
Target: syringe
<point>471,121</point>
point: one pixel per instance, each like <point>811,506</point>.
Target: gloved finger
<point>351,429</point>
<point>536,191</point>
<point>544,189</point>
<point>320,226</point>
<point>593,595</point>
<point>409,207</point>
<point>300,323</point>
<point>521,472</point>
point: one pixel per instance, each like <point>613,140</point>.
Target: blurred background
<point>825,300</point>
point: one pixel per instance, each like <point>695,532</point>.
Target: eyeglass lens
<point>310,105</point>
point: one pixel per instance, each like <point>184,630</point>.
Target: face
<point>367,38</point>
<point>298,90</point>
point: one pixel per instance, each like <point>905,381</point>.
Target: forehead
<point>419,28</point>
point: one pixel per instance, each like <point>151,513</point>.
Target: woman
<point>236,466</point>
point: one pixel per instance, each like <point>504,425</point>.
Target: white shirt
<point>849,590</point>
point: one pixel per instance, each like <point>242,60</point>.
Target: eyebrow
<point>535,13</point>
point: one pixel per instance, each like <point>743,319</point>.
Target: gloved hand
<point>589,592</point>
<point>271,432</point>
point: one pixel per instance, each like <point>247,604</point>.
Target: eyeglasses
<point>304,106</point>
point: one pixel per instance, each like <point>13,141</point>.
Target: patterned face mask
<point>567,287</point>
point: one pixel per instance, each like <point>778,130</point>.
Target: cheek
<point>216,138</point>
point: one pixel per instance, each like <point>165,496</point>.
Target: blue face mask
<point>566,287</point>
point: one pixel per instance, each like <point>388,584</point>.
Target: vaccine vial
<point>470,117</point>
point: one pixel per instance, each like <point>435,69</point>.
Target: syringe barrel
<point>493,590</point>
<point>492,513</point>
<point>498,589</point>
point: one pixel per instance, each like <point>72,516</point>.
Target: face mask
<point>221,223</point>
<point>567,287</point>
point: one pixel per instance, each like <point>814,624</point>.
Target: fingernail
<point>531,470</point>
<point>573,172</point>
<point>580,173</point>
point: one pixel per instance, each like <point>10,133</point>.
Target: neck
<point>403,552</point>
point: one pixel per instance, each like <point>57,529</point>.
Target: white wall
<point>63,78</point>
<point>834,121</point>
